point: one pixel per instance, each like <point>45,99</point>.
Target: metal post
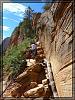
<point>51,79</point>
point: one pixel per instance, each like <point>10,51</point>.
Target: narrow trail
<point>37,83</point>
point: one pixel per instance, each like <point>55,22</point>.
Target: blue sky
<point>13,14</point>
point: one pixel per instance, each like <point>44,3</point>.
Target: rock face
<point>54,29</point>
<point>5,44</point>
<point>17,36</point>
<point>19,33</point>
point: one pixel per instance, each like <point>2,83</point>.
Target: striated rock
<point>40,91</point>
<point>33,84</point>
<point>54,29</point>
<point>35,92</point>
<point>12,90</point>
<point>27,81</point>
<point>64,81</point>
<point>37,68</point>
<point>31,73</point>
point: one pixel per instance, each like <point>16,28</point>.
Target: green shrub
<point>13,60</point>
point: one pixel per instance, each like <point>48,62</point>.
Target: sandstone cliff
<point>54,29</point>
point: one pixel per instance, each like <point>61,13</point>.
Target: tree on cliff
<point>28,19</point>
<point>46,6</point>
<point>29,13</point>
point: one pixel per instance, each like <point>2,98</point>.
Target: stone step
<point>40,52</point>
<point>42,90</point>
<point>45,81</point>
<point>30,62</point>
<point>39,48</point>
<point>40,56</point>
<point>35,92</point>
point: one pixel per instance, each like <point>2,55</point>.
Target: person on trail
<point>33,50</point>
<point>27,54</point>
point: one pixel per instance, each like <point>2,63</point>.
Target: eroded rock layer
<point>32,82</point>
<point>54,29</point>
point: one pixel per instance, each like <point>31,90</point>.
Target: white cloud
<point>6,28</point>
<point>11,19</point>
<point>16,8</point>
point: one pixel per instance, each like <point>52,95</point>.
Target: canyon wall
<point>54,29</point>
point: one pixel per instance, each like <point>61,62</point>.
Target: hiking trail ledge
<point>33,81</point>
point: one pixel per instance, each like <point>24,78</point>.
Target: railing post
<point>51,78</point>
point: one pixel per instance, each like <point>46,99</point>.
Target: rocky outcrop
<point>14,37</point>
<point>32,82</point>
<point>20,32</point>
<point>54,29</point>
<point>5,44</point>
<point>17,36</point>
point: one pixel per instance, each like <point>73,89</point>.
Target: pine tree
<point>28,15</point>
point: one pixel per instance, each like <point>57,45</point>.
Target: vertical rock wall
<point>55,34</point>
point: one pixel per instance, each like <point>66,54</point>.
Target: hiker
<point>29,54</point>
<point>33,49</point>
